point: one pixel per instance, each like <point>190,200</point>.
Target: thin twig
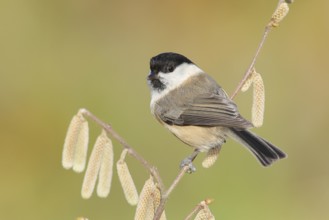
<point>176,181</point>
<point>268,28</point>
<point>153,171</point>
<point>198,207</point>
<point>251,66</point>
<point>166,194</point>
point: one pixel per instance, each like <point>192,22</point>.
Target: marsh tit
<point>198,111</point>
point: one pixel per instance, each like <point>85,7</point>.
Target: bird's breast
<point>203,138</point>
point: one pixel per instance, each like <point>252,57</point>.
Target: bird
<point>193,107</point>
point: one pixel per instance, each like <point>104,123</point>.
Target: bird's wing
<point>207,110</point>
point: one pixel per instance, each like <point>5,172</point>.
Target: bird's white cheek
<point>152,106</point>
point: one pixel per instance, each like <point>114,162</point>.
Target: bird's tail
<point>265,152</point>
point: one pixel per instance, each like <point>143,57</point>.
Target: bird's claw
<point>187,162</point>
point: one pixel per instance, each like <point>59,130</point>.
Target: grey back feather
<point>200,101</point>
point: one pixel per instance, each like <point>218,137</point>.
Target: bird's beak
<point>152,76</point>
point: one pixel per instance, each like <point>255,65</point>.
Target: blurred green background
<point>59,56</point>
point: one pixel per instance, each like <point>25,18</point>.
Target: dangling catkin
<point>248,82</point>
<point>156,202</point>
<point>145,208</point>
<point>82,218</point>
<point>258,99</point>
<point>73,136</point>
<point>127,182</point>
<point>258,104</point>
<point>106,168</point>
<point>81,148</point>
<point>93,167</point>
<point>279,14</point>
<point>211,157</point>
<point>204,213</point>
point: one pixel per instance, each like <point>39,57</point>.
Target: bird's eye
<point>170,69</point>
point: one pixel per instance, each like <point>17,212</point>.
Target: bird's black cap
<point>167,62</point>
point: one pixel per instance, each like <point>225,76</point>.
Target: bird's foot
<point>187,162</point>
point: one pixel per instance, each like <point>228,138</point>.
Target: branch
<point>280,12</point>
<point>108,128</point>
<point>153,171</point>
<point>252,64</point>
<point>203,204</point>
<point>166,194</point>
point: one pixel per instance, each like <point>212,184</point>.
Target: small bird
<point>198,111</point>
